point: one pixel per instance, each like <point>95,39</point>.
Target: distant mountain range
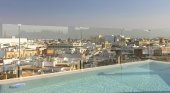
<point>77,34</point>
<point>86,32</point>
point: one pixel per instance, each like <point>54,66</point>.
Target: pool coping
<point>22,79</point>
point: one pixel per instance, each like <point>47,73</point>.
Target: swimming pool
<point>138,77</point>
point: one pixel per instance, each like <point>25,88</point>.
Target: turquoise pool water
<point>142,77</point>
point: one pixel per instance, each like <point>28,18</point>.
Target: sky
<point>91,13</point>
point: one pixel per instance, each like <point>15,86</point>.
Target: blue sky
<point>98,13</point>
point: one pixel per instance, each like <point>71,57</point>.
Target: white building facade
<point>12,41</point>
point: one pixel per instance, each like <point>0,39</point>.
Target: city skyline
<point>129,14</point>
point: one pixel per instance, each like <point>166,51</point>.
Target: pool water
<point>141,77</point>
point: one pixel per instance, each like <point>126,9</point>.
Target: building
<point>107,45</point>
<point>78,44</point>
<point>165,50</point>
<point>23,53</point>
<point>143,42</point>
<point>13,41</point>
<point>60,48</point>
<point>120,40</point>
